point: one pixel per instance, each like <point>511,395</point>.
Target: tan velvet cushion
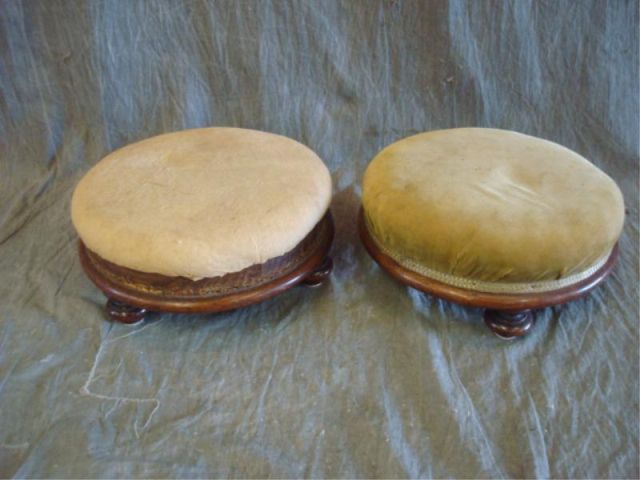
<point>201,203</point>
<point>491,210</point>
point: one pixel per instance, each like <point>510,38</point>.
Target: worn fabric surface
<point>201,202</point>
<point>362,377</point>
<point>491,210</point>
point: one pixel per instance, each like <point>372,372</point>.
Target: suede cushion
<point>201,203</point>
<point>488,209</point>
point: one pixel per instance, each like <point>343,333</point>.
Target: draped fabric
<point>362,377</point>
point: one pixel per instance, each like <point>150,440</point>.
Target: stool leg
<point>123,313</point>
<point>320,275</point>
<point>509,324</point>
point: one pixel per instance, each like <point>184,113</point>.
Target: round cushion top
<point>201,203</point>
<point>491,210</point>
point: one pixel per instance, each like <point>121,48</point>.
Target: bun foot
<point>123,313</point>
<point>320,275</point>
<point>507,324</point>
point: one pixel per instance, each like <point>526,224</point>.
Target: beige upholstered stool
<point>491,218</point>
<point>203,220</point>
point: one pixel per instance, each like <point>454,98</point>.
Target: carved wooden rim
<point>179,294</point>
<point>495,301</point>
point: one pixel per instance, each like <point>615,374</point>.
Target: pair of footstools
<point>214,219</point>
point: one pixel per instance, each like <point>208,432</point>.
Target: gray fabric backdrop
<point>362,377</point>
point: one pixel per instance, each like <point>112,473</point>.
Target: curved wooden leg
<point>508,324</point>
<point>318,276</point>
<point>123,313</point>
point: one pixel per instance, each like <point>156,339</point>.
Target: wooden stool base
<point>509,325</point>
<point>320,275</point>
<point>123,313</point>
<point>507,315</point>
<point>131,294</point>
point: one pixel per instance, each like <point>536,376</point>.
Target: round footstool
<point>492,219</point>
<point>203,220</point>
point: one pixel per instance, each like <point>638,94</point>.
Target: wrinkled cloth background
<point>362,377</point>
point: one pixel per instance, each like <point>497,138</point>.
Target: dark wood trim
<point>320,275</point>
<point>129,289</point>
<point>513,303</point>
<point>123,313</point>
<point>508,325</point>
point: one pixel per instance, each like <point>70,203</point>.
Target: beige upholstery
<point>201,203</point>
<point>491,210</point>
